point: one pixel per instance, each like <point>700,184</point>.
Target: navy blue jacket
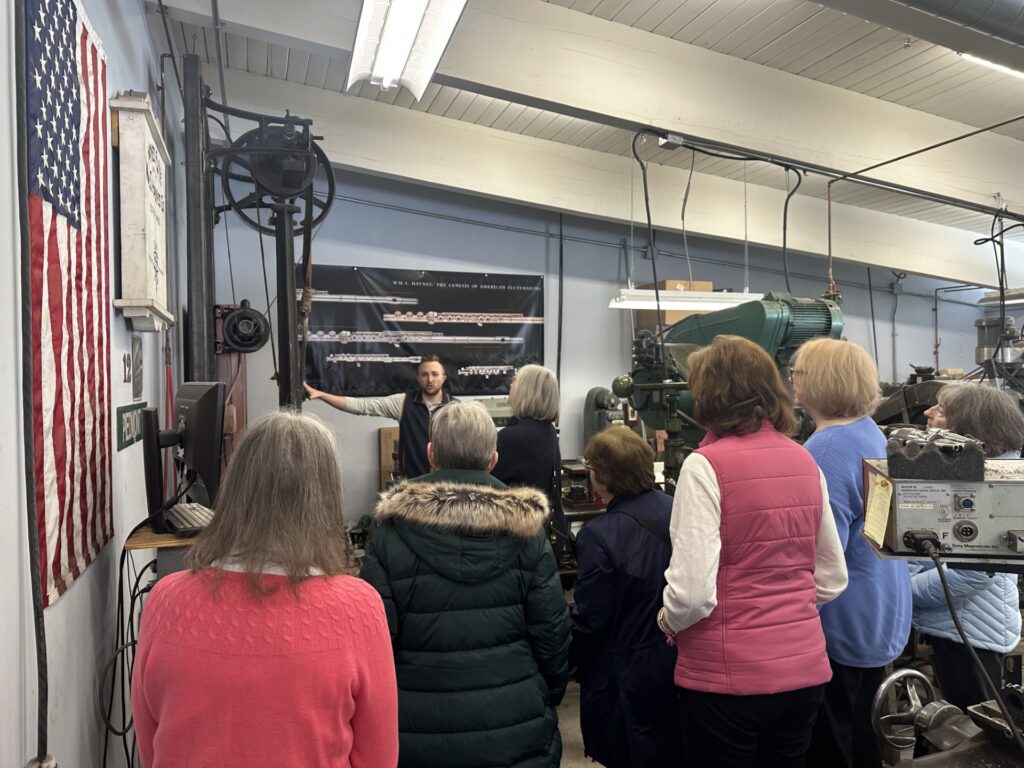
<point>628,712</point>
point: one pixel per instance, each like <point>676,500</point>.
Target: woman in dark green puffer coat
<point>479,623</point>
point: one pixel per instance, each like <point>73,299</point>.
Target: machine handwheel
<point>908,685</point>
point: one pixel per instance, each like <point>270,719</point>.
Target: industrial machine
<point>907,714</point>
<point>936,497</point>
<point>601,409</point>
<point>656,388</point>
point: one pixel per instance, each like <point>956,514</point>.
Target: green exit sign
<point>129,425</point>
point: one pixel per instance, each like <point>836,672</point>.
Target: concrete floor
<point>569,726</point>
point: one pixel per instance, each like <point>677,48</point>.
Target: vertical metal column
<point>289,382</point>
<point>200,364</point>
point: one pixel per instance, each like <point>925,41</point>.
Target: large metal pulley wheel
<point>276,172</point>
<point>902,697</point>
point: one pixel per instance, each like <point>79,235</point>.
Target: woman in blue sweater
<point>867,626</point>
<point>988,605</point>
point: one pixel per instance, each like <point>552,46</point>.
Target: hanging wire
<point>682,215</point>
<point>227,243</point>
<point>632,217</point>
<point>746,235</point>
<point>785,223</point>
<point>266,282</point>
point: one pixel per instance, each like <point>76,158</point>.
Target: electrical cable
<point>874,329</point>
<point>632,219</point>
<point>652,250</point>
<point>617,245</point>
<point>306,306</point>
<point>561,295</point>
<point>266,282</point>
<point>785,223</point>
<point>682,215</point>
<point>930,549</point>
<point>999,251</point>
<point>170,47</point>
<point>895,308</point>
<point>746,235</point>
<point>787,167</point>
<point>227,244</point>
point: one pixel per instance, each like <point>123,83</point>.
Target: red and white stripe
<point>70,283</point>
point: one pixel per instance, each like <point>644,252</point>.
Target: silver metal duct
<point>1003,19</point>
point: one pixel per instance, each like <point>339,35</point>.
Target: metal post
<point>289,383</point>
<point>200,365</point>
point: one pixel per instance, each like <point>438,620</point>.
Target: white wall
<point>16,657</point>
<point>80,625</point>
<point>378,222</point>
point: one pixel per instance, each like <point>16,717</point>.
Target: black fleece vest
<point>414,433</point>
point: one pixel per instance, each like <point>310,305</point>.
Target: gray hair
<point>985,413</point>
<point>280,504</point>
<point>462,436</point>
<point>534,393</point>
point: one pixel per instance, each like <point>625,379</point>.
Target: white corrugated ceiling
<point>802,38</point>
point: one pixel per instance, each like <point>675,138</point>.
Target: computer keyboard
<point>188,519</point>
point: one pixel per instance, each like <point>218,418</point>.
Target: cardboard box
<point>647,318</point>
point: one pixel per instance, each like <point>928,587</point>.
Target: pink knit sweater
<point>223,678</point>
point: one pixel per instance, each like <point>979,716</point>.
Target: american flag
<point>65,105</point>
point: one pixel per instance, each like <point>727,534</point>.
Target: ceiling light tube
<point>400,42</point>
<point>1012,296</point>
<point>706,301</point>
<point>992,65</point>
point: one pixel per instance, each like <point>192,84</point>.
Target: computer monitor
<point>199,416</point>
<point>196,438</point>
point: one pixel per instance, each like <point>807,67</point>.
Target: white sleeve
<point>830,575</point>
<point>692,576</point>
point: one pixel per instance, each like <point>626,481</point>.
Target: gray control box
<point>972,521</point>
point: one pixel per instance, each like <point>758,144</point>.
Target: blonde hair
<point>280,504</point>
<point>534,394</point>
<point>838,379</point>
<point>462,436</point>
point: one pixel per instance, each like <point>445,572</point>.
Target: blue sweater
<point>868,625</point>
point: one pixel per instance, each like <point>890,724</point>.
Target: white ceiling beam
<point>407,144</point>
<point>544,55</point>
<point>925,26</point>
<point>547,56</point>
<point>325,27</point>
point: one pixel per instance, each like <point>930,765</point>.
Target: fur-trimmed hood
<point>467,532</point>
<point>464,508</point>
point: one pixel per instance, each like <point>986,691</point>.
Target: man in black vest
<point>412,410</point>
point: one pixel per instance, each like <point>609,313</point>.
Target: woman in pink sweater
<point>266,653</point>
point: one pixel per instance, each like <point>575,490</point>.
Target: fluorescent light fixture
<point>992,65</point>
<point>400,42</point>
<point>1013,296</point>
<point>706,301</point>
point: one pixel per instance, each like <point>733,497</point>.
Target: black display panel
<point>369,327</point>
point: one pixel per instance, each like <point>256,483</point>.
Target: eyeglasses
<point>796,372</point>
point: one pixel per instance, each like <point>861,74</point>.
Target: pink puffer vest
<point>764,635</point>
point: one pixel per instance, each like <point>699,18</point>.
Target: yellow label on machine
<point>876,512</point>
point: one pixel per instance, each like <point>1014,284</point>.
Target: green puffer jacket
<point>479,623</point>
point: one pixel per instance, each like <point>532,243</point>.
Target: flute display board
<point>369,328</point>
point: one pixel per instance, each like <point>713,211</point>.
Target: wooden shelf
<point>147,538</point>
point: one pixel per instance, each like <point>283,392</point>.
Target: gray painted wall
<point>378,222</point>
